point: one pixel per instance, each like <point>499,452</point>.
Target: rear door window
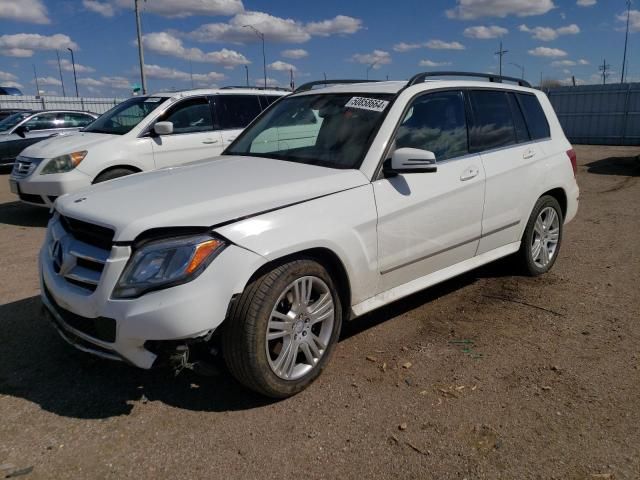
<point>190,116</point>
<point>45,121</point>
<point>493,125</point>
<point>236,111</point>
<point>534,116</point>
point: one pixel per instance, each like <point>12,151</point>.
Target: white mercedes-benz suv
<point>385,189</point>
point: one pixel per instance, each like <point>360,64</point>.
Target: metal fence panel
<point>88,104</point>
<point>599,114</point>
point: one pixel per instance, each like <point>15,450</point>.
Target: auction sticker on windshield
<point>363,103</point>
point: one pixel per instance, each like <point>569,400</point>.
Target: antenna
<point>501,53</point>
<point>604,68</point>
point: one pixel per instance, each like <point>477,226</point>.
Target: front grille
<point>79,251</point>
<point>101,237</point>
<point>25,166</point>
<point>101,328</point>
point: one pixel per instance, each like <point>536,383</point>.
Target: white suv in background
<point>139,134</point>
<point>395,187</point>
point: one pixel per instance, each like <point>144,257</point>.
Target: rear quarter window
<point>534,116</point>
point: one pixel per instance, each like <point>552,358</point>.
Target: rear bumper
<point>573,200</point>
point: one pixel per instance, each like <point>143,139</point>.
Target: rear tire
<point>542,237</point>
<point>283,328</point>
<point>113,173</point>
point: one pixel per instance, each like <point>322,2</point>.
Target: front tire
<point>283,328</point>
<point>542,237</point>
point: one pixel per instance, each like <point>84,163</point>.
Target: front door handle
<point>209,141</point>
<point>529,153</point>
<point>469,173</point>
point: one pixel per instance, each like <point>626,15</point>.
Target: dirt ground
<point>490,375</point>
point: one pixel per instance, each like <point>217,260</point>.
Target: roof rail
<point>421,77</point>
<point>309,85</point>
<point>231,87</point>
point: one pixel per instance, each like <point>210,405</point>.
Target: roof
<point>393,87</point>
<point>219,91</point>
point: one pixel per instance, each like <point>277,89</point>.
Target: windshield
<point>125,116</point>
<point>331,130</point>
<point>13,120</point>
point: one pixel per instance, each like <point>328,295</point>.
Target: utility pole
<point>626,41</point>
<point>191,72</point>
<point>35,76</point>
<point>501,53</point>
<point>264,57</point>
<point>604,68</point>
<point>60,70</point>
<point>520,67</point>
<point>291,83</point>
<point>325,76</point>
<point>140,49</point>
<point>75,78</point>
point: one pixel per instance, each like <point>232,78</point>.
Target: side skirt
<point>421,283</point>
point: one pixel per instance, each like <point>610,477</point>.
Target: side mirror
<point>412,160</point>
<point>163,128</point>
<point>21,130</point>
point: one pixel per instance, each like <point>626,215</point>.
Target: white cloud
<point>295,54</point>
<point>406,47</point>
<point>547,52</point>
<point>24,44</point>
<point>30,11</point>
<point>271,82</point>
<point>431,63</point>
<point>586,3</point>
<point>48,81</point>
<point>12,84</point>
<point>103,8</point>
<point>634,20</point>
<point>275,29</point>
<point>67,66</point>
<point>340,25</point>
<point>582,61</point>
<point>201,79</point>
<point>90,82</point>
<point>164,43</point>
<point>281,66</point>
<point>377,58</point>
<point>187,8</point>
<point>563,63</point>
<point>118,83</point>
<point>547,34</point>
<point>6,77</point>
<point>442,45</point>
<point>472,9</point>
<point>484,33</point>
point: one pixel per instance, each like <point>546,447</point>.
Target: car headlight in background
<point>64,163</point>
<point>167,263</point>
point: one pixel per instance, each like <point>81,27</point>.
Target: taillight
<point>574,161</point>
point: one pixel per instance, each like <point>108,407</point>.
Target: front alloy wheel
<point>282,329</point>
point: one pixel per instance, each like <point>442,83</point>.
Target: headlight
<point>64,163</point>
<point>167,263</point>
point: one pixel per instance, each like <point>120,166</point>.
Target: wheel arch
<point>560,195</point>
<point>126,166</point>
<point>329,260</point>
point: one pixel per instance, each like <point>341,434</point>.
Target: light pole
<point>370,67</point>
<point>143,80</point>
<point>60,71</point>
<point>626,41</point>
<point>518,66</point>
<point>501,53</point>
<point>75,79</point>
<point>264,58</point>
<point>35,76</point>
<point>246,69</point>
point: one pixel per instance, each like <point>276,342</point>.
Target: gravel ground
<point>490,375</point>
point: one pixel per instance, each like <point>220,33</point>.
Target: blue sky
<point>558,38</point>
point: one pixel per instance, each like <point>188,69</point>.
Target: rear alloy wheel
<point>542,237</point>
<point>282,329</point>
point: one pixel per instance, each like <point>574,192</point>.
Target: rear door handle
<point>469,173</point>
<point>530,153</point>
<point>209,141</point>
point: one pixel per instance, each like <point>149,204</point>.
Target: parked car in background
<point>271,247</point>
<point>6,112</point>
<point>139,134</point>
<point>10,91</point>
<point>25,128</point>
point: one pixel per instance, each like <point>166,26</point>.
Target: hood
<point>202,194</point>
<point>65,143</point>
